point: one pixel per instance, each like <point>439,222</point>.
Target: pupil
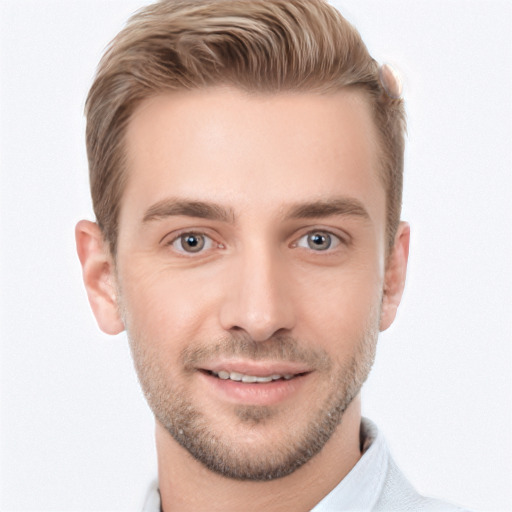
<point>319,241</point>
<point>192,243</point>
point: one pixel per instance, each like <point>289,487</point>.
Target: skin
<point>258,283</point>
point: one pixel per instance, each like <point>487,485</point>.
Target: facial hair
<point>175,408</point>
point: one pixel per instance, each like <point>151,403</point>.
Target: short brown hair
<point>257,45</point>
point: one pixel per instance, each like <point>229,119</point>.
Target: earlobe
<point>394,279</point>
<point>98,275</point>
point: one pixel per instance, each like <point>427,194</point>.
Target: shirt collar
<point>361,488</point>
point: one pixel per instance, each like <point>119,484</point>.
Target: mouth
<point>251,379</point>
<point>248,383</point>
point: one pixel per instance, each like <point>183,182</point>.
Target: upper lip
<point>257,368</point>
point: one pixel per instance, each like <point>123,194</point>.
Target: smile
<point>250,383</point>
<point>241,377</point>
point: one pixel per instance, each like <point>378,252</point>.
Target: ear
<point>394,278</point>
<point>99,276</point>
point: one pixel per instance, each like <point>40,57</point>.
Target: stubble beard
<point>192,429</point>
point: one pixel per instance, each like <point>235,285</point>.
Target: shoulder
<point>393,492</point>
<point>399,495</point>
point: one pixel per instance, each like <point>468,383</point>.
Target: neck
<point>186,485</point>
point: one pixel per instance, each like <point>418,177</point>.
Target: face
<point>251,273</point>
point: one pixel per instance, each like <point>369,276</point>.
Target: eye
<point>319,241</point>
<point>192,243</point>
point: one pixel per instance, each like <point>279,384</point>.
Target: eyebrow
<point>340,206</point>
<point>173,207</point>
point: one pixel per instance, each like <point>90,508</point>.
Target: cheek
<point>163,306</point>
<point>342,304</point>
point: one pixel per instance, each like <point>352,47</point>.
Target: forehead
<point>251,150</point>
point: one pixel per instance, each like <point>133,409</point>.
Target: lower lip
<point>263,393</point>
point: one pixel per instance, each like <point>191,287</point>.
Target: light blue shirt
<point>374,484</point>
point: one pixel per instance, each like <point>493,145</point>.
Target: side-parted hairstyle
<point>254,45</point>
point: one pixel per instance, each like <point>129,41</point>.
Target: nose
<point>258,295</point>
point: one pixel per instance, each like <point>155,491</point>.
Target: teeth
<point>240,377</point>
<point>264,379</point>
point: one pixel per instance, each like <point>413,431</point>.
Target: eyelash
<point>208,241</point>
<point>333,239</point>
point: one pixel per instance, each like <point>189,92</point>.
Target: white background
<point>75,431</point>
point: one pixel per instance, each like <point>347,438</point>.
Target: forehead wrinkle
<point>190,208</point>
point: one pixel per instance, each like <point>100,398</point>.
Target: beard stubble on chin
<point>183,419</point>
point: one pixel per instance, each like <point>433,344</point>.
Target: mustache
<point>278,348</point>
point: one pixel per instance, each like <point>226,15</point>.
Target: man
<point>246,165</point>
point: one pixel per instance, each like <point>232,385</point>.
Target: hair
<point>256,46</point>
